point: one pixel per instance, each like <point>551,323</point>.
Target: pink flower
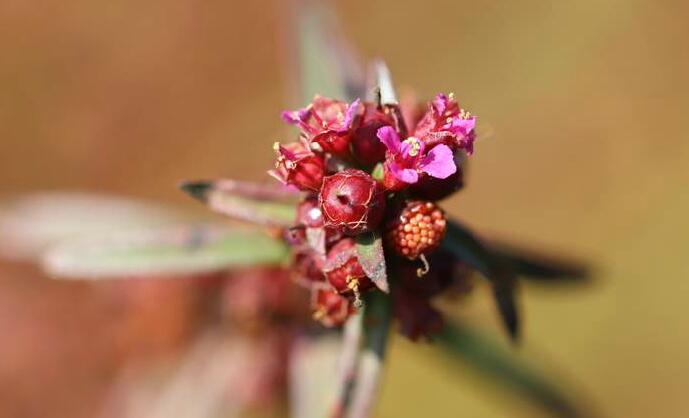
<point>407,160</point>
<point>445,122</point>
<point>297,166</point>
<point>327,122</point>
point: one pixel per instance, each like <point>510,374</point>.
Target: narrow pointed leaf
<point>491,360</point>
<point>539,267</point>
<point>383,83</point>
<point>247,189</point>
<point>328,65</point>
<point>169,251</point>
<point>465,246</point>
<point>505,300</point>
<point>372,259</point>
<point>250,203</point>
<point>32,223</point>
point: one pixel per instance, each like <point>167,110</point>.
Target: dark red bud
<point>308,268</point>
<point>308,173</point>
<point>352,202</point>
<point>431,188</point>
<point>366,146</point>
<point>309,213</point>
<point>298,166</point>
<point>343,270</point>
<point>336,143</point>
<point>417,318</point>
<point>330,308</point>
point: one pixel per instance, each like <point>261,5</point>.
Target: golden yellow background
<point>587,152</point>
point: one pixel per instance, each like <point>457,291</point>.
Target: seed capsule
<point>418,230</point>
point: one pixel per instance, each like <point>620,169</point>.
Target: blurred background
<point>587,155</point>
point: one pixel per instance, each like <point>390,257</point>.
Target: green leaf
<point>460,241</point>
<point>170,251</point>
<point>506,302</point>
<point>505,368</point>
<point>536,266</point>
<point>327,64</point>
<point>32,223</point>
<point>465,246</point>
<point>257,204</point>
<point>370,253</point>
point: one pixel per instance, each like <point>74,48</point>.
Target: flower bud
<point>307,268</point>
<point>309,213</point>
<point>330,308</point>
<point>416,316</point>
<point>352,202</point>
<point>344,272</point>
<point>431,188</point>
<point>327,122</point>
<point>298,166</point>
<point>366,145</point>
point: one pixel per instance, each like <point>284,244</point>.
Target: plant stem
<point>349,361</point>
<point>377,318</point>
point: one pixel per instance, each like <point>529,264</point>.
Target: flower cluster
<point>366,170</point>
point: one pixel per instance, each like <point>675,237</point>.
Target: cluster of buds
<point>364,168</point>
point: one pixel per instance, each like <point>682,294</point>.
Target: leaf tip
<point>196,189</point>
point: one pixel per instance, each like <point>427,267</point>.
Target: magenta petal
<point>287,153</point>
<point>351,114</point>
<point>440,103</point>
<point>439,162</point>
<point>389,137</point>
<point>462,127</point>
<point>291,117</point>
<point>406,175</point>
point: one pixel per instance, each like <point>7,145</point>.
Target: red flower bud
<point>352,202</point>
<point>417,318</point>
<point>432,188</point>
<point>307,268</point>
<point>391,182</point>
<point>330,308</point>
<point>309,213</point>
<point>297,166</point>
<point>327,122</point>
<point>366,145</point>
<point>417,230</point>
<point>343,271</point>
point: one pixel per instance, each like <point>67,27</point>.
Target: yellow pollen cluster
<point>415,145</point>
<point>353,285</point>
<point>281,158</point>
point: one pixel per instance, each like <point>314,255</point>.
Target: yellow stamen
<point>353,285</point>
<point>318,314</point>
<point>415,145</point>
